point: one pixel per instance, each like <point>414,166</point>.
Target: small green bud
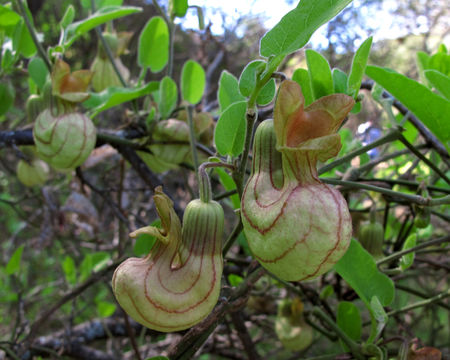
<point>64,141</point>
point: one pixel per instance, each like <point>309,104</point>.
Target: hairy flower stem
<point>204,183</point>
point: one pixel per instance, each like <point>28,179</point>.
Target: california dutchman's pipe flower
<point>178,283</point>
<point>64,137</point>
<point>296,226</point>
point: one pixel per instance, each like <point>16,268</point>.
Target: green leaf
<point>22,40</point>
<point>7,96</point>
<point>168,97</point>
<point>247,80</point>
<point>228,92</point>
<point>228,183</point>
<point>429,107</point>
<point>153,51</point>
<point>93,262</point>
<point>423,60</point>
<point>349,321</point>
<point>193,82</point>
<point>359,270</point>
<point>144,242</point>
<point>68,17</point>
<point>8,17</point>
<point>439,81</point>
<point>179,7</point>
<point>38,71</point>
<point>301,76</point>
<point>101,16</point>
<point>69,269</point>
<point>407,260</point>
<point>358,67</point>
<point>234,279</point>
<point>296,27</point>
<point>267,93</point>
<point>105,309</point>
<point>230,130</point>
<point>13,265</point>
<point>319,73</point>
<point>378,314</point>
<point>101,3</point>
<point>339,81</point>
<point>114,96</point>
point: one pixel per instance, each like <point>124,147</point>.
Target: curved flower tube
<point>178,283</point>
<point>296,226</point>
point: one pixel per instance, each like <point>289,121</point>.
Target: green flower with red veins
<point>64,137</point>
<point>297,227</point>
<point>178,283</point>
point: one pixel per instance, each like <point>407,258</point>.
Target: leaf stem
<point>189,111</point>
<point>353,346</point>
<point>32,31</point>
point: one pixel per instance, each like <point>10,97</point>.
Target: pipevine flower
<point>178,283</point>
<point>297,227</point>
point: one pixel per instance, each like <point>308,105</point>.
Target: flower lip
<point>294,124</point>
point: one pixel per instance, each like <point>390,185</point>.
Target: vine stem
<point>416,199</point>
<point>390,136</point>
<point>203,177</point>
<point>399,254</point>
<point>418,304</point>
<point>32,31</point>
<point>251,117</point>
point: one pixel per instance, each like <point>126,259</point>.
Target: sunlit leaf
<point>153,51</point>
<point>359,270</point>
<point>247,80</point>
<point>229,134</point>
<point>228,92</point>
<point>301,77</point>
<point>193,80</point>
<point>114,96</point>
<point>267,93</point>
<point>429,107</point>
<point>168,97</point>
<point>296,27</point>
<point>358,67</point>
<point>103,15</point>
<point>439,81</point>
<point>319,73</point>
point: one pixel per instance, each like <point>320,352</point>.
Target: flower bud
<point>371,237</point>
<point>64,141</point>
<point>178,283</point>
<point>296,226</point>
<point>34,173</point>
<point>290,326</point>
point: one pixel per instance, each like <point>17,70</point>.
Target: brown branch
<point>93,279</point>
<point>244,336</point>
